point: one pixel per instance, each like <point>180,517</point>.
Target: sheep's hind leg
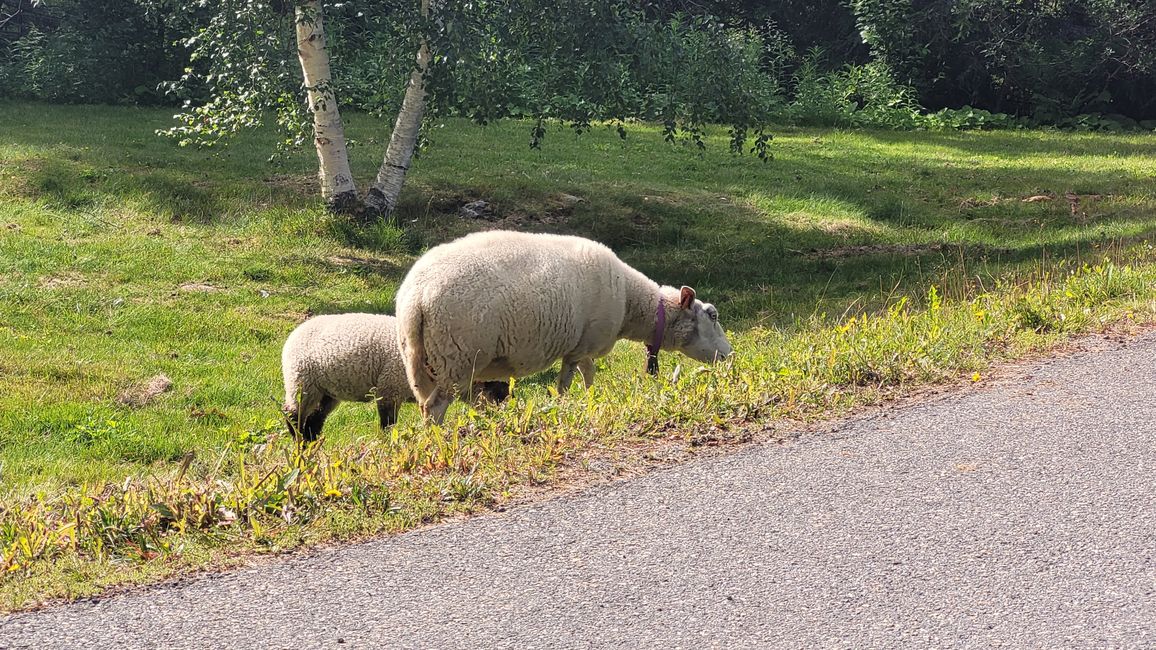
<point>312,426</point>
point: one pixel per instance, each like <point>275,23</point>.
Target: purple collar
<point>656,343</point>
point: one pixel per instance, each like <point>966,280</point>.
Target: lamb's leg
<point>387,412</point>
<point>495,391</point>
<point>299,405</point>
<point>586,366</point>
<point>312,426</point>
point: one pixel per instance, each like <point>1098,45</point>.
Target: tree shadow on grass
<point>877,232</point>
<point>1050,143</point>
<point>837,219</point>
<point>166,194</point>
<point>179,198</point>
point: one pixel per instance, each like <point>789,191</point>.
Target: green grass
<point>852,266</point>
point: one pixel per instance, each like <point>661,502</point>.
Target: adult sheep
<point>500,304</point>
<point>347,358</point>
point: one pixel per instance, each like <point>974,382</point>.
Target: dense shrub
<point>535,59</point>
<point>91,51</point>
<point>1081,64</point>
<point>854,95</point>
<point>1046,60</point>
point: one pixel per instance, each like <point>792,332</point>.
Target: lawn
<point>853,266</point>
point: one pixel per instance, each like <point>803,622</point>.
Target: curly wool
<point>503,304</point>
<point>342,358</point>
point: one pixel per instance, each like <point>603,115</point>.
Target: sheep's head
<point>693,329</point>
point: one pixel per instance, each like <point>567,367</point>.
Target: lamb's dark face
<point>695,331</point>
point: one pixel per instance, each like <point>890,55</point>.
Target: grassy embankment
<point>853,266</point>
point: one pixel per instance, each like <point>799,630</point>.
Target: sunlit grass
<point>123,257</point>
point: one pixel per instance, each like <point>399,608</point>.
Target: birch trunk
<point>337,186</point>
<point>382,197</point>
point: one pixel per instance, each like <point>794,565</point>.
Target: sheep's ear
<point>686,298</point>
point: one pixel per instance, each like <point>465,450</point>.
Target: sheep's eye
<point>713,316</point>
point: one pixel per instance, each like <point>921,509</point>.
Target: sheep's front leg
<point>311,428</point>
<point>566,376</point>
<point>435,406</point>
<point>587,368</point>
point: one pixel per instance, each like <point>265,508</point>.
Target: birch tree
<point>382,197</point>
<point>537,60</point>
<point>337,186</point>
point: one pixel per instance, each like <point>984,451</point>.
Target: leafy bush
<point>602,61</point>
<point>969,119</point>
<point>1048,61</point>
<point>94,51</point>
<point>1096,122</point>
<point>607,62</point>
<point>240,62</point>
<point>869,96</point>
<point>855,95</point>
<point>372,52</point>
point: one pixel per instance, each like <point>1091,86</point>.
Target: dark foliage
<point>90,51</point>
<point>1043,59</point>
<point>1051,61</point>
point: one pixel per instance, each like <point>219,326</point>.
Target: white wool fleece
<point>497,304</point>
<point>349,357</point>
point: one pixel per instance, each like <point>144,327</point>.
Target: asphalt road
<point>1020,515</point>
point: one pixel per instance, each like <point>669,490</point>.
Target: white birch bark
<point>382,197</point>
<point>337,186</point>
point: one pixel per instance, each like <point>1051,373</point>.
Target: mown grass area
<point>853,266</point>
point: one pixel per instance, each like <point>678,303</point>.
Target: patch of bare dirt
<point>1079,203</point>
<point>567,200</point>
<point>554,211</point>
<point>970,203</point>
<point>1074,200</point>
<point>840,252</point>
<point>243,243</point>
<point>199,287</point>
<point>63,281</point>
<point>519,220</point>
<point>844,228</point>
<point>363,263</point>
<point>672,200</point>
<point>643,220</point>
<point>143,394</point>
<point>295,183</point>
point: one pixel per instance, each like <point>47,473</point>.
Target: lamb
<point>500,304</point>
<point>347,357</point>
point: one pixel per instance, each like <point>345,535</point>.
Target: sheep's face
<point>695,331</point>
